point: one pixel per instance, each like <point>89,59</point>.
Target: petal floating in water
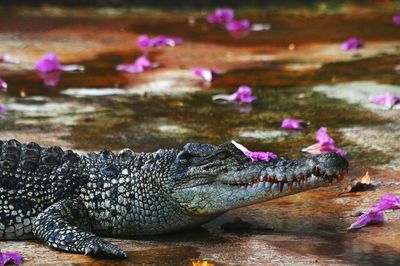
<point>10,257</point>
<point>325,144</point>
<point>371,217</point>
<point>141,64</point>
<point>3,84</point>
<point>352,44</point>
<point>242,95</point>
<point>207,74</point>
<point>238,25</point>
<point>50,63</point>
<point>387,99</point>
<point>292,123</point>
<point>388,201</point>
<point>221,16</point>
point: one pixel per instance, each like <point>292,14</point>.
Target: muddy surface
<point>296,69</point>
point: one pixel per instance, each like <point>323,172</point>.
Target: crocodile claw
<point>101,248</point>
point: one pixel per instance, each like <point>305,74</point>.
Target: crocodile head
<point>211,180</point>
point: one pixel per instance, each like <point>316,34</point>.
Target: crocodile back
<point>31,179</point>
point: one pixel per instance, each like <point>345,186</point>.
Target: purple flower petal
<point>387,99</point>
<point>292,123</point>
<point>255,156</point>
<point>145,41</point>
<point>221,16</point>
<point>242,95</point>
<point>352,44</point>
<point>325,144</point>
<point>396,20</point>
<point>10,257</point>
<point>238,25</point>
<point>141,64</point>
<point>371,217</point>
<point>50,63</point>
<point>388,201</point>
<point>3,84</point>
<point>206,74</point>
<point>2,108</point>
<point>162,41</point>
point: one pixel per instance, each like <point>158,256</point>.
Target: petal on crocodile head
<point>255,155</point>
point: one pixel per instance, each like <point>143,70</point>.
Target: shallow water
<point>166,108</point>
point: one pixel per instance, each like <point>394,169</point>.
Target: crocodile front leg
<point>62,226</point>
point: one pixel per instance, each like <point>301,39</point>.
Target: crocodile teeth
<point>289,186</point>
<point>280,186</point>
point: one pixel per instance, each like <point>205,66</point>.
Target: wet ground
<point>296,69</point>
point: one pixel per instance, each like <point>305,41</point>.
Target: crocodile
<point>70,201</point>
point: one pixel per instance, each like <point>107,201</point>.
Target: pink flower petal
<point>3,84</point>
<point>10,257</point>
<point>313,149</point>
<point>292,123</point>
<point>371,217</point>
<point>238,25</point>
<point>325,144</point>
<point>255,156</point>
<point>242,95</point>
<point>352,44</point>
<point>221,16</point>
<point>387,99</point>
<point>145,41</point>
<point>388,201</point>
<point>206,74</point>
<point>50,63</point>
<point>141,64</point>
<point>396,20</point>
